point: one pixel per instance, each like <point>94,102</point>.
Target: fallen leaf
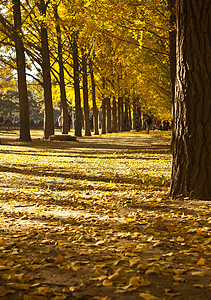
<point>201,262</point>
<point>59,259</point>
<point>147,296</point>
<point>4,291</point>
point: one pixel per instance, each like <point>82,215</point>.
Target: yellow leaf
<point>114,277</point>
<point>74,288</point>
<point>147,296</point>
<point>1,241</point>
<point>44,251</point>
<point>201,262</point>
<point>102,298</point>
<point>200,286</point>
<point>134,280</point>
<point>134,261</point>
<point>2,268</point>
<point>4,291</point>
<point>59,259</point>
<point>198,273</point>
<point>100,265</point>
<point>145,282</point>
<point>107,282</point>
<point>179,278</point>
<point>97,273</point>
<point>180,239</point>
<point>129,220</point>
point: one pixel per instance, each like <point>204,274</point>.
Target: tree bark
<point>21,68</point>
<point>114,115</point>
<point>191,169</point>
<point>172,57</point>
<point>65,127</point>
<point>108,114</point>
<point>134,113</point>
<point>95,110</point>
<point>46,68</point>
<point>103,129</point>
<point>126,116</point>
<point>119,124</point>
<point>121,114</point>
<point>85,95</point>
<point>78,110</point>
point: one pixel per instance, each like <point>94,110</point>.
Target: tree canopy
<point>128,42</point>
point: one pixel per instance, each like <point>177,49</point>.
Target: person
<point>165,125</point>
<point>148,122</point>
<point>60,121</point>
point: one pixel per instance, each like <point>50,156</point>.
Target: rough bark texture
<point>191,170</point>
<point>78,110</point>
<point>118,114</point>
<point>21,68</point>
<point>134,113</point>
<point>114,115</point>
<point>95,110</point>
<point>103,128</point>
<point>85,95</point>
<point>172,57</point>
<point>126,116</point>
<point>46,68</point>
<point>108,114</point>
<point>65,127</point>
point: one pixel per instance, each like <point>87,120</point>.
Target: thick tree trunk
<point>108,114</point>
<point>21,68</point>
<point>85,96</point>
<point>172,56</point>
<point>114,115</point>
<point>65,127</point>
<point>78,110</point>
<point>103,129</point>
<point>46,68</point>
<point>191,170</point>
<point>95,110</point>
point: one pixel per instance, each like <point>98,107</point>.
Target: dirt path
<point>92,220</point>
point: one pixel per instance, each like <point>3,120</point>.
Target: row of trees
<point>102,53</point>
<point>119,50</point>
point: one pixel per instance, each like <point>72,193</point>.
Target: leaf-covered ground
<point>92,220</point>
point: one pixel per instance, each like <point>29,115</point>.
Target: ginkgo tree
<point>129,42</point>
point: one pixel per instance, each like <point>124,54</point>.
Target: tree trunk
<point>85,95</point>
<point>191,169</point>
<point>134,113</point>
<point>108,114</point>
<point>172,56</point>
<point>103,129</point>
<point>95,110</point>
<point>129,115</point>
<point>126,116</point>
<point>78,110</point>
<point>46,68</point>
<point>114,115</point>
<point>21,68</point>
<point>121,114</point>
<point>65,127</point>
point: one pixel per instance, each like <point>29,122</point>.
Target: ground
<point>92,219</point>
